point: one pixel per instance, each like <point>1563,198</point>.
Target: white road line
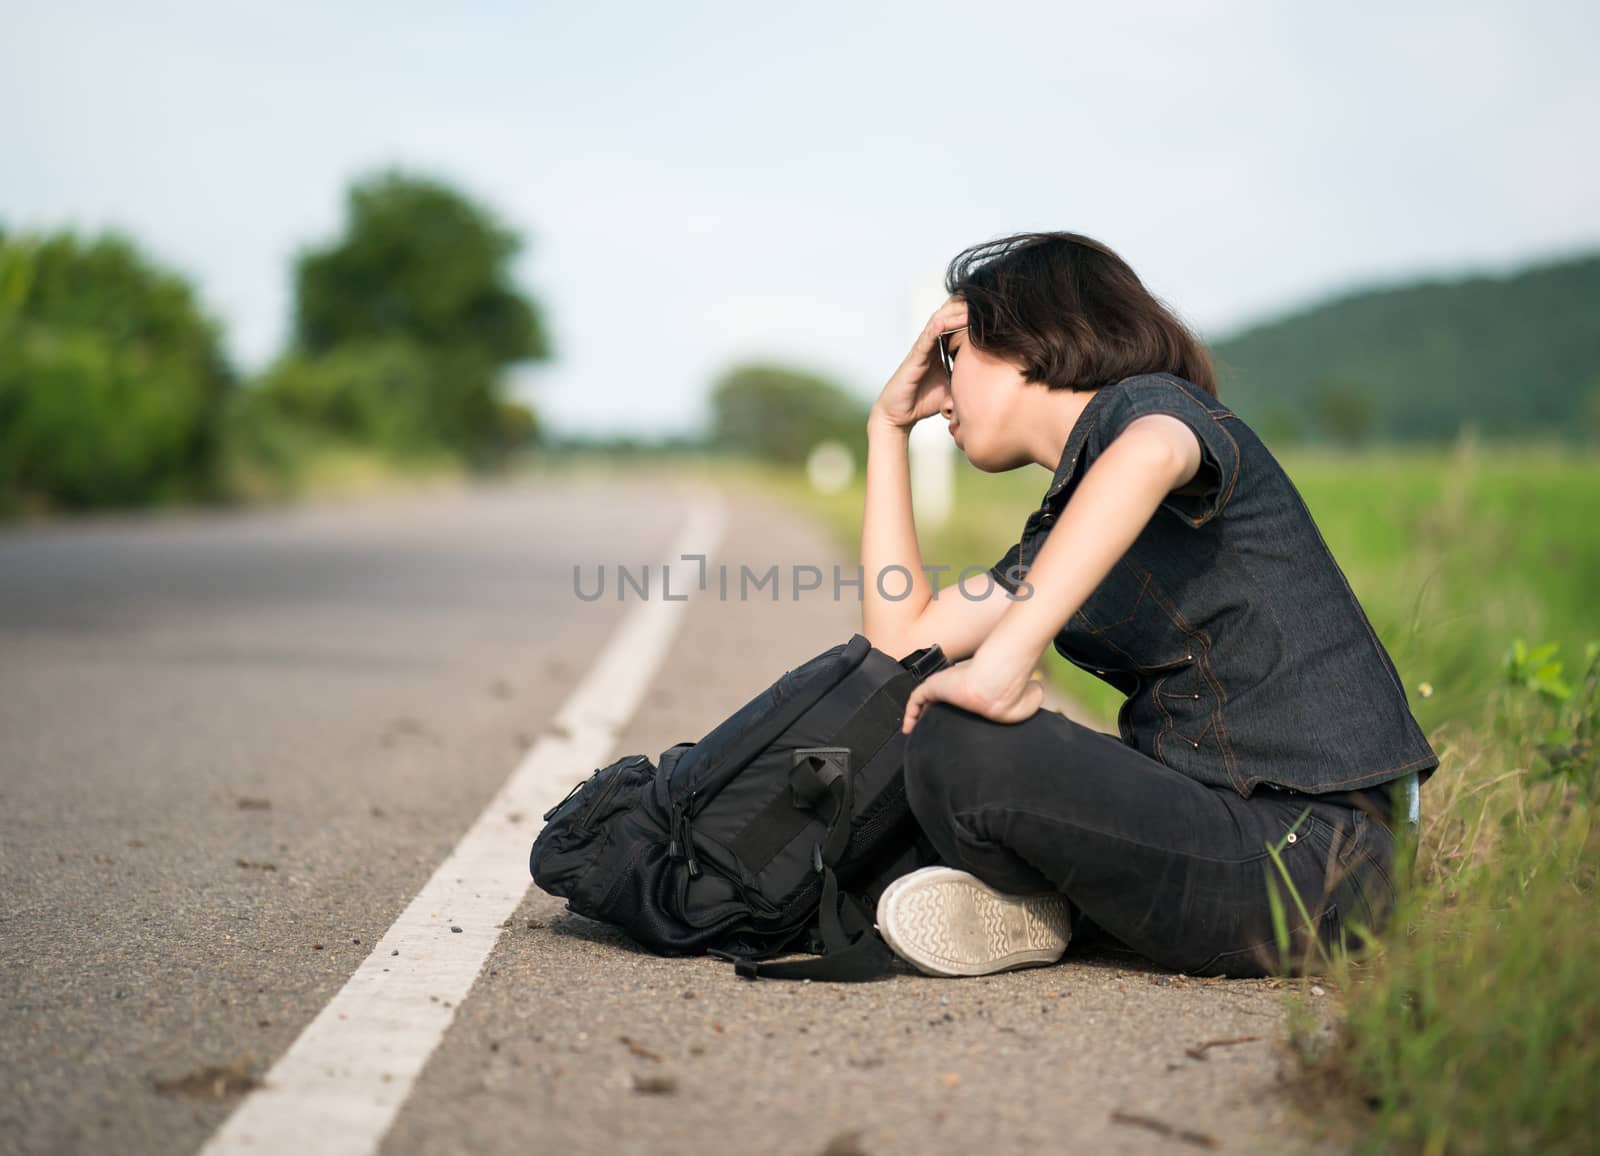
<point>341,1083</point>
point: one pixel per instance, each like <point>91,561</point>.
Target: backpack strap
<point>852,948</point>
<point>813,773</point>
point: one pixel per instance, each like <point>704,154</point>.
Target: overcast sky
<point>703,183</point>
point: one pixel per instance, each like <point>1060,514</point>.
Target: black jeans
<point>1175,869</point>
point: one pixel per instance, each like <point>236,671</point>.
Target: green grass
<point>275,461</point>
<point>1472,1023</point>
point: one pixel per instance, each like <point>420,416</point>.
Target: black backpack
<point>774,833</point>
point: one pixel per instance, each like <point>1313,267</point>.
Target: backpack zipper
<point>576,787</point>
<point>601,799</point>
<point>682,844</point>
<point>607,792</point>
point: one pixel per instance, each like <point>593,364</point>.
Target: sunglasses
<point>944,351</point>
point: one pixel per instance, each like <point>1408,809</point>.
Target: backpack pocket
<point>575,832</point>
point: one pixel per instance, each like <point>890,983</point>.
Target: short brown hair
<point>1073,312</point>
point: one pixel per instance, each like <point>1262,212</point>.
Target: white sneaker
<point>945,921</point>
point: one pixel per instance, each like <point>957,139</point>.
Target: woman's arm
<point>915,390</point>
<point>959,617</point>
<point>889,538</point>
<point>1119,493</point>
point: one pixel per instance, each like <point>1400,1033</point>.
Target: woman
<point>1173,558</point>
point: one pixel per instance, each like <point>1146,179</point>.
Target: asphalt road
<point>234,747</point>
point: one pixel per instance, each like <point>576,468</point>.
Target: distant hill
<point>1514,356</point>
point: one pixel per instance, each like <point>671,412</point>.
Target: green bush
<point>778,414</point>
<point>1477,1030</point>
<point>373,392</point>
<point>112,381</point>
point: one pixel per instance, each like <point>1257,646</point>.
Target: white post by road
<point>931,448</point>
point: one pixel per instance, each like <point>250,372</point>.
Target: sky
<point>702,184</point>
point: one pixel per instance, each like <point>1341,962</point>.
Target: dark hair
<point>1072,311</point>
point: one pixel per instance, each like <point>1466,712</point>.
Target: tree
<point>112,379</point>
<point>421,264</point>
<point>778,413</point>
<point>1345,410</point>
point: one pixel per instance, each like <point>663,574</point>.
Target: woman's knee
<point>955,770</point>
<point>957,760</point>
<point>937,764</point>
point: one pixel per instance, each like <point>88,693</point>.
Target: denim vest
<point>1245,655</point>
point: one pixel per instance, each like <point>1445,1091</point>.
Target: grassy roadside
<point>274,461</point>
<point>1472,1024</point>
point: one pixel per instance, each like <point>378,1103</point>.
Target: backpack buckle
<point>925,661</point>
<point>813,771</point>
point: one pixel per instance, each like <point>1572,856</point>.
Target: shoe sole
<point>944,921</point>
